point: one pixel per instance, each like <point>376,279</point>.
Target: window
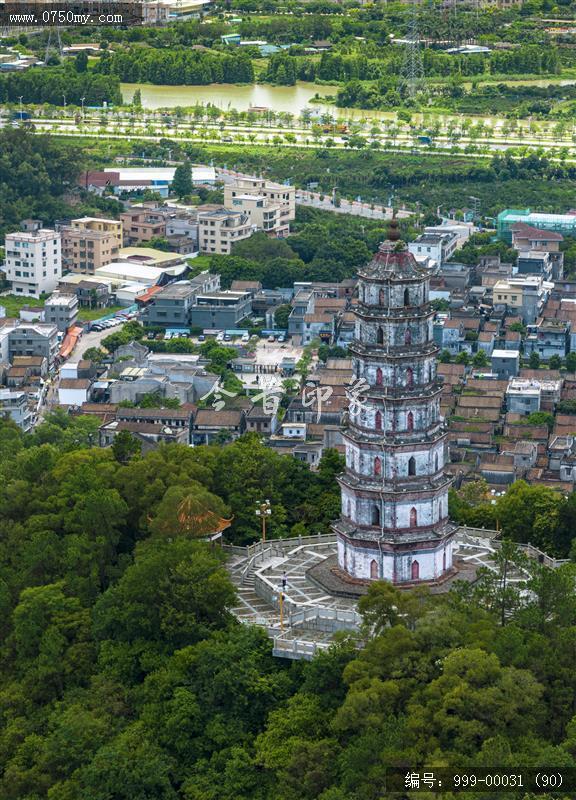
<point>379,377</point>
<point>415,571</point>
<point>436,462</point>
<point>382,297</point>
<point>408,336</point>
<point>410,421</point>
<point>411,466</point>
<point>406,297</point>
<point>375,515</point>
<point>378,421</point>
<point>413,517</point>
<point>409,378</point>
<point>377,466</point>
<point>380,336</point>
<point>374,570</point>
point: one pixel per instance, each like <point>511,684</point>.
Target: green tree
<point>81,62</point>
<point>182,185</point>
<point>480,359</point>
<point>125,447</point>
<point>534,360</point>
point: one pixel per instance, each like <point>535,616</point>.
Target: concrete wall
<point>365,563</point>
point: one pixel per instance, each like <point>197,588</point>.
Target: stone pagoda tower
<point>394,524</point>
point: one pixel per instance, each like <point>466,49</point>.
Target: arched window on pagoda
<point>378,421</point>
<point>410,421</point>
<point>436,462</point>
<point>408,336</point>
<point>444,561</point>
<point>379,377</point>
<point>380,336</point>
<point>411,466</point>
<point>377,466</point>
<point>375,515</point>
<point>413,517</point>
<point>415,571</point>
<point>374,570</point>
<point>382,297</point>
<point>348,508</point>
<point>409,377</point>
<point>406,296</point>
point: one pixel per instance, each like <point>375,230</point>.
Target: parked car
<point>246,337</point>
<point>227,338</point>
<point>271,338</point>
<point>281,338</point>
<point>201,338</point>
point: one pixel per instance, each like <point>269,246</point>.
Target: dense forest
<point>177,66</point>
<point>36,172</point>
<point>53,84</point>
<point>283,68</point>
<point>123,673</point>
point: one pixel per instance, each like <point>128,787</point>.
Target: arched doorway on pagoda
<point>377,466</point>
<point>410,421</point>
<point>374,570</point>
<point>378,421</point>
<point>379,377</point>
<point>413,517</point>
<point>415,571</point>
<point>375,515</point>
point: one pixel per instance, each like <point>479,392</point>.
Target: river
<point>229,95</point>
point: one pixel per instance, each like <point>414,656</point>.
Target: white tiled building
<point>33,260</point>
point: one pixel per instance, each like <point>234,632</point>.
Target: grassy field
<point>87,314</point>
<point>12,303</point>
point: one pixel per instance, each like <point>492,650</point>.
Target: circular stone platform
<point>328,576</point>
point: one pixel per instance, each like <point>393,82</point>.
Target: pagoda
<point>394,520</point>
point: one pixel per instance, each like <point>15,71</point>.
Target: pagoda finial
<point>393,229</point>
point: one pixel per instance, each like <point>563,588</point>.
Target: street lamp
<point>21,112</point>
<point>82,101</point>
<point>263,510</point>
<point>64,98</point>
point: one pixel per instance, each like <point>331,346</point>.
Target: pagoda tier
<point>394,522</point>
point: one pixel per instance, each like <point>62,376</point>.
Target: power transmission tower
<point>56,44</point>
<point>413,69</point>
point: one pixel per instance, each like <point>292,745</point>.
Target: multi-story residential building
<point>528,239</point>
<point>222,310</point>
<point>14,404</point>
<point>505,363</point>
<point>33,259</point>
<point>437,246</point>
<point>61,310</point>
<point>548,337</point>
<point>449,334</point>
<point>219,230</point>
<point>523,396</point>
<point>89,243</point>
<point>18,338</point>
<point>522,295</point>
<point>533,262</point>
<point>275,193</point>
<point>170,308</point>
<point>264,214</point>
<point>142,225</point>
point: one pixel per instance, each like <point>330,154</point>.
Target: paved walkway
<point>310,616</point>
